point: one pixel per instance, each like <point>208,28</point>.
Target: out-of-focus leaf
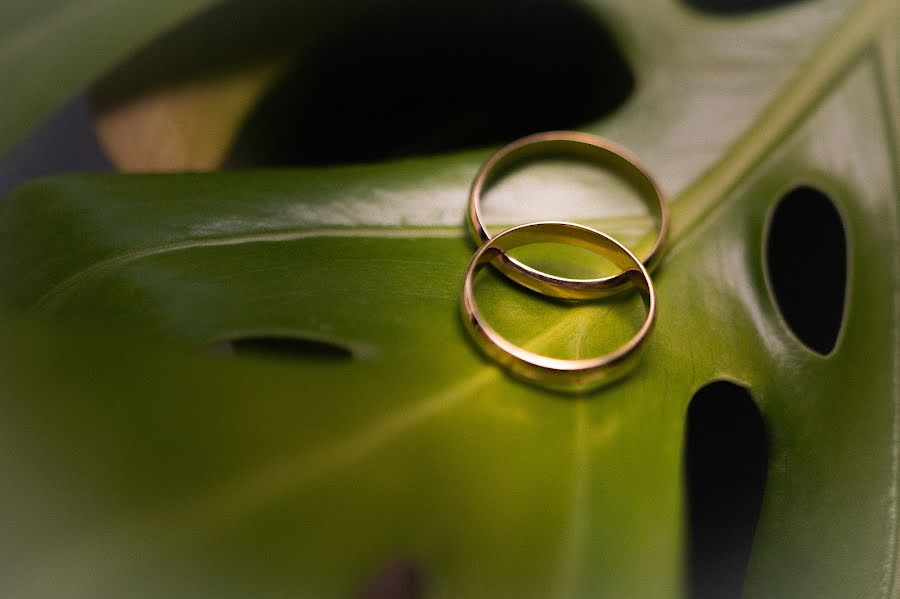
<point>139,473</point>
<point>51,48</point>
<point>178,103</point>
<point>187,127</point>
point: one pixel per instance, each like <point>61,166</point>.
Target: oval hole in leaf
<point>726,464</point>
<point>398,580</point>
<point>434,77</point>
<point>806,263</point>
<point>284,347</point>
<point>735,7</point>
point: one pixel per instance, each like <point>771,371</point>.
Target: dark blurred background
<point>65,142</point>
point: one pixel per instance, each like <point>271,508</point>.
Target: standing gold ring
<point>582,145</point>
<point>555,373</point>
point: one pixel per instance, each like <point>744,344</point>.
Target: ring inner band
<point>555,373</point>
<point>582,146</point>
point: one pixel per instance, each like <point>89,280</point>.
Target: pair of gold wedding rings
<point>574,375</point>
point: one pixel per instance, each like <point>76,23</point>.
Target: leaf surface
<point>143,466</point>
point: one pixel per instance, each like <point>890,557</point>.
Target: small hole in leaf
<point>806,260</point>
<point>433,77</point>
<point>399,580</point>
<point>726,464</point>
<point>284,347</point>
<point>734,7</point>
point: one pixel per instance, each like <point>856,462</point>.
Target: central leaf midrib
<point>101,267</point>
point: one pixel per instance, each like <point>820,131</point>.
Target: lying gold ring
<point>554,373</point>
<point>572,143</point>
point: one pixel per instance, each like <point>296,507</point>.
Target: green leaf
<point>141,465</point>
<point>51,48</point>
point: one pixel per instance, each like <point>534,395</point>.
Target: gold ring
<point>582,145</point>
<point>555,373</point>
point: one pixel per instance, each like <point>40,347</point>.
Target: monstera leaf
<point>88,37</point>
<point>147,450</point>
